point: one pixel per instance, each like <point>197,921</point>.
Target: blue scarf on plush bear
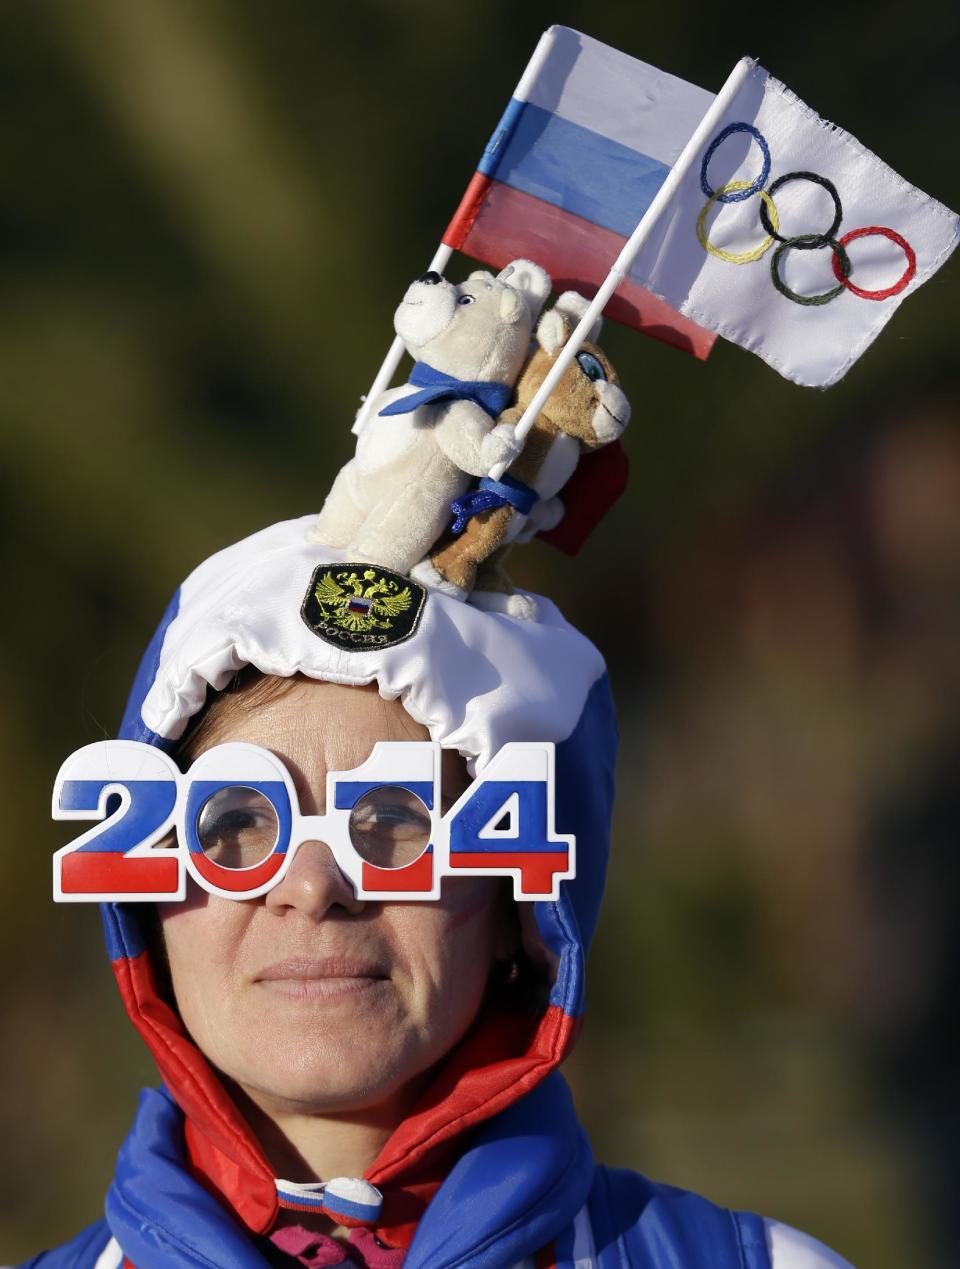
<point>437,386</point>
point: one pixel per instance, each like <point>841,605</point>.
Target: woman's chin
<point>326,1070</point>
<point>323,1090</point>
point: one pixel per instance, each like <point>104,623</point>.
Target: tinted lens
<point>389,827</point>
<point>237,827</point>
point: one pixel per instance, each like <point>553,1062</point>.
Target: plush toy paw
<point>500,446</point>
<point>427,576</point>
<point>519,604</point>
<point>546,515</point>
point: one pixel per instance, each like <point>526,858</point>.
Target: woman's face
<point>308,998</point>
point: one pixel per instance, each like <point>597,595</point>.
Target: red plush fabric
<point>596,484</point>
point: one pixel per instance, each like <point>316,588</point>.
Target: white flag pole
<point>439,262</point>
<point>631,247</point>
<point>394,353</point>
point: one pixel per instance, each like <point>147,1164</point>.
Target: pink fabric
<point>317,1251</point>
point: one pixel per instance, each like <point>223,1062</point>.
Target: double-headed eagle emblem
<point>360,603</point>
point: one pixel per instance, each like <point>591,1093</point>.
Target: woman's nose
<point>313,884</point>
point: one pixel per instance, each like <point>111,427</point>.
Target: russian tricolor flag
<point>588,138</point>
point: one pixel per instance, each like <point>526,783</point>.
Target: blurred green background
<point>209,211</point>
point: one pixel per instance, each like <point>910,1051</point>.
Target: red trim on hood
<point>493,1067</point>
<point>503,1057</point>
<point>222,1150</point>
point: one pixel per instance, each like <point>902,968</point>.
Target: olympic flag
<point>790,238</point>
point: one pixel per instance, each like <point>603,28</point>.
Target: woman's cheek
<point>202,941</point>
<point>470,904</point>
<point>465,938</point>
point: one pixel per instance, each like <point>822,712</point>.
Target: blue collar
<point>161,1217</point>
<point>518,1184</point>
<point>437,386</point>
<point>525,1175</point>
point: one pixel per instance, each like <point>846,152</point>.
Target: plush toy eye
<point>466,299</point>
<point>591,367</point>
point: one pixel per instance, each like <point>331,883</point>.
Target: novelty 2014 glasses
<point>233,823</point>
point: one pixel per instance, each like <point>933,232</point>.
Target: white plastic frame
<point>516,786</point>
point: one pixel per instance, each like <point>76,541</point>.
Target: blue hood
<point>491,678</point>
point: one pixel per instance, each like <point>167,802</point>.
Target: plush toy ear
<point>530,280</point>
<point>512,305</point>
<point>574,305</point>
<point>553,331</point>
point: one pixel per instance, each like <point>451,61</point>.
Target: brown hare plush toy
<point>586,410</point>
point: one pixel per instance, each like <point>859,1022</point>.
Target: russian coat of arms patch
<point>359,607</point>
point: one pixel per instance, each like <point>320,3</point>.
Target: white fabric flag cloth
<point>790,238</point>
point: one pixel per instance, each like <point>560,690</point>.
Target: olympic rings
<point>738,191</point>
<point>905,278</point>
<point>754,187</point>
<point>737,257</point>
<point>818,180</point>
<point>810,242</point>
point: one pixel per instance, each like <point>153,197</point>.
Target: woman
<point>406,1052</point>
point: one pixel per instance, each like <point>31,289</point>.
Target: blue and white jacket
<point>492,1164</point>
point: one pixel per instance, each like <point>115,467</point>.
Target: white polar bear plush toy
<point>425,440</point>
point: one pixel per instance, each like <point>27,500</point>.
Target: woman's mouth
<point>328,979</point>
